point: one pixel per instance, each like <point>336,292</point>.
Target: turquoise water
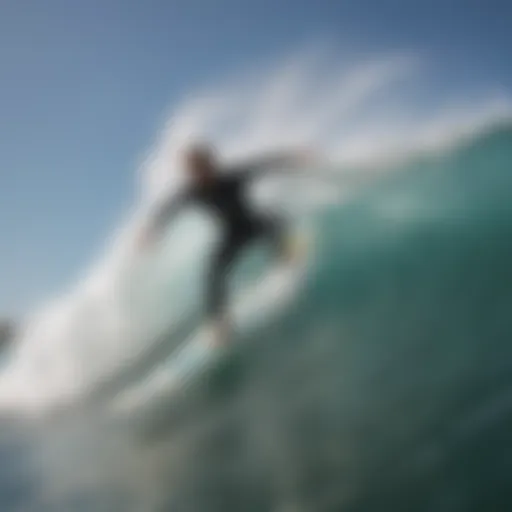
<point>386,386</point>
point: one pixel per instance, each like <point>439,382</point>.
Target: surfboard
<point>250,308</point>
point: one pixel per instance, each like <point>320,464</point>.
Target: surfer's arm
<point>307,164</point>
<point>282,161</point>
<point>162,216</point>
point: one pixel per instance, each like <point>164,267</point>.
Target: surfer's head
<point>200,163</point>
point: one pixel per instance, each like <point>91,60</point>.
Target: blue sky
<point>84,87</point>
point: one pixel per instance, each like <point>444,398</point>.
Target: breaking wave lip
<point>355,114</point>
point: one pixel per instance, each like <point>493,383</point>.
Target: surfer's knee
<point>280,240</point>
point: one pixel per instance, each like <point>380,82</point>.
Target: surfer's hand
<point>145,239</point>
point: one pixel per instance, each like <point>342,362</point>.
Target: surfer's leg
<point>217,282</point>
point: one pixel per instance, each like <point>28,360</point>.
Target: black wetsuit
<point>225,198</point>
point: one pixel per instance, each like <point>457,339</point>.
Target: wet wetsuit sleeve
<point>261,166</point>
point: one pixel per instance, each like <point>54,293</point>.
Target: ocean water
<point>385,385</point>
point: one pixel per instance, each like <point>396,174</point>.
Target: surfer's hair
<point>200,151</point>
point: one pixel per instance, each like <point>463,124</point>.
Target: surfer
<point>222,192</point>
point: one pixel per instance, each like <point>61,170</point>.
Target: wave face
<point>385,385</point>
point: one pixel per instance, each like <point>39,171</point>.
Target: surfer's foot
<point>292,250</point>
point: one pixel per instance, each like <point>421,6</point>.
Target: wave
<point>354,113</point>
<point>385,384</point>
